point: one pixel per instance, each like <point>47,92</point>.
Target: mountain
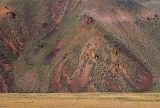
<point>79,46</point>
<point>153,4</point>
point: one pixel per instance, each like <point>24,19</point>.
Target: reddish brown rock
<point>12,14</point>
<point>114,71</point>
<point>79,80</point>
<point>3,86</point>
<point>55,83</point>
<point>9,45</point>
<point>145,81</point>
<point>91,88</point>
<point>113,86</point>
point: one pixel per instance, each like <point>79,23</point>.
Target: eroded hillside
<point>101,65</point>
<point>79,46</point>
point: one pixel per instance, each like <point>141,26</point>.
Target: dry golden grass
<point>81,100</point>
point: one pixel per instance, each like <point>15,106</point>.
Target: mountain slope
<point>153,4</point>
<point>79,46</point>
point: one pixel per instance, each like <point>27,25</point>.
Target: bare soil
<point>91,88</point>
<point>9,45</point>
<point>3,86</point>
<point>3,12</point>
<point>113,86</point>
<point>55,83</point>
<point>79,80</point>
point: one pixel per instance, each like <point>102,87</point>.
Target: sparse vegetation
<point>153,4</point>
<point>112,45</point>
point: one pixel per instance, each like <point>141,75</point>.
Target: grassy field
<point>81,100</point>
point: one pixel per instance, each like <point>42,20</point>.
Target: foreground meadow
<point>80,100</point>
